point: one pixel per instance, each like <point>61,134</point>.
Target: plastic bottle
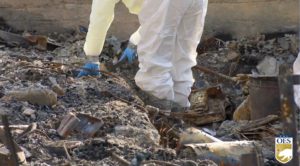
<point>40,96</point>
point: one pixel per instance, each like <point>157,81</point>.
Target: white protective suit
<point>101,17</point>
<point>170,31</point>
<point>296,70</point>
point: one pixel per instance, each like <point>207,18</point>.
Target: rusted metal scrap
<point>263,96</point>
<point>196,144</point>
<point>207,106</point>
<point>81,123</point>
<point>289,109</point>
<point>222,153</point>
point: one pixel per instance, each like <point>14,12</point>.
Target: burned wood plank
<point>40,42</point>
<point>14,127</point>
<point>207,106</point>
<point>10,154</point>
<point>10,142</point>
<point>14,39</point>
<point>61,148</point>
<point>257,123</point>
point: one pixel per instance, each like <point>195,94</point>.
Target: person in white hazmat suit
<point>169,33</point>
<point>101,17</point>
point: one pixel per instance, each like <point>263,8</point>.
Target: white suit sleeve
<point>134,6</point>
<point>135,37</point>
<point>102,15</point>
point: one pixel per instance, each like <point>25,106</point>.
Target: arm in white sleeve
<point>135,37</point>
<point>134,6</point>
<point>102,15</point>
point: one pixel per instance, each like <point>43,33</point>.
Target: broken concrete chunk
<point>223,153</point>
<point>56,87</point>
<point>40,96</point>
<point>268,67</point>
<point>284,43</point>
<point>38,63</point>
<point>28,111</point>
<point>232,55</point>
<point>150,137</point>
<point>58,90</point>
<point>226,128</point>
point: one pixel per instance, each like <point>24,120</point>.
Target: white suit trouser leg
<point>170,31</point>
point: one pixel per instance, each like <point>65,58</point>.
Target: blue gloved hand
<point>90,69</point>
<point>129,54</point>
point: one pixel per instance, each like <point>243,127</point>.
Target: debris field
<point>58,119</point>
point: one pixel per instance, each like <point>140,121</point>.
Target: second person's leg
<point>159,21</point>
<point>188,37</point>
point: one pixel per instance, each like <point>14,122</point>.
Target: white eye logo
<point>286,154</point>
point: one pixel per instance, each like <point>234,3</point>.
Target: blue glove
<point>90,69</point>
<point>128,54</point>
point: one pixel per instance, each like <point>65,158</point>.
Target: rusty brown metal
<point>251,159</point>
<point>80,123</point>
<point>264,97</point>
<point>288,113</point>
